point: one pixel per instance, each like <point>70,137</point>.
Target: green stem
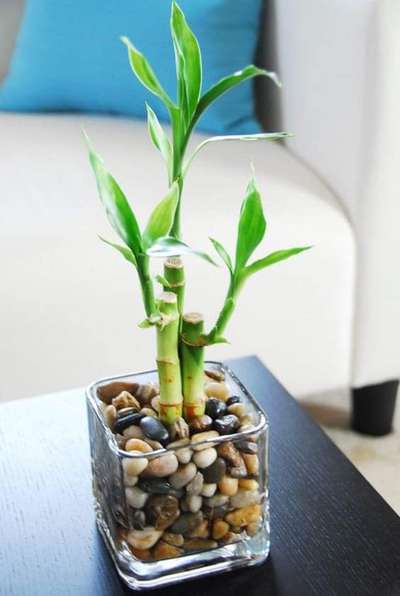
<point>192,363</point>
<point>227,310</point>
<point>174,273</point>
<point>168,360</point>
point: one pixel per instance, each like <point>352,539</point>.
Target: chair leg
<point>373,408</point>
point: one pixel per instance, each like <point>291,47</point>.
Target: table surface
<point>332,534</point>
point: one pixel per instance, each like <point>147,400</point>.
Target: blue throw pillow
<point>69,57</point>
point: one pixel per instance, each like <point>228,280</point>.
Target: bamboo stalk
<point>174,273</point>
<point>192,365</point>
<point>168,359</point>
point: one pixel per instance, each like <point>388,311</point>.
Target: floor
<point>377,458</point>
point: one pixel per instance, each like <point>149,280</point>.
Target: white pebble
<point>205,458</point>
<point>135,497</point>
<point>243,498</point>
<point>134,466</point>
<point>130,480</point>
<point>208,490</point>
<point>183,476</point>
<point>143,539</point>
<point>133,432</point>
<point>218,390</point>
<point>194,503</point>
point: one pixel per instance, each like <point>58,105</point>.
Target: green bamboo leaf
<point>266,136</point>
<point>145,73</point>
<point>222,253</point>
<point>159,138</point>
<point>252,226</point>
<point>116,205</point>
<point>171,247</point>
<point>124,250</point>
<point>274,257</point>
<point>162,218</point>
<point>188,59</point>
<point>230,82</point>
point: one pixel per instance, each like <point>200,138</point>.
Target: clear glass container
<point>212,532</point>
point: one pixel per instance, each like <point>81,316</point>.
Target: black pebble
<point>235,399</point>
<point>214,473</point>
<point>215,408</point>
<point>126,420</point>
<point>154,429</point>
<point>158,486</point>
<point>227,424</point>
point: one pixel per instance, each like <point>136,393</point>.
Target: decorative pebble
<point>218,390</point>
<point>234,399</point>
<point>208,490</point>
<point>156,486</point>
<point>137,445</point>
<point>247,446</point>
<point>162,511</point>
<point>252,528</point>
<point>144,393</point>
<point>214,473</point>
<point>154,429</point>
<point>205,458</point>
<point>162,466</point>
<point>130,480</point>
<point>239,471</point>
<point>200,424</point>
<point>219,529</point>
<point>217,501</point>
<point>215,375</point>
<point>174,539</point>
<point>252,463</point>
<point>238,410</point>
<point>194,503</point>
<point>195,486</point>
<point>133,432</point>
<point>228,486</point>
<point>244,516</point>
<point>155,445</point>
<point>230,538</point>
<point>143,539</point>
<point>201,531</point>
<point>229,453</point>
<point>184,475</point>
<point>215,408</point>
<point>135,497</point>
<point>215,512</point>
<point>179,429</point>
<point>127,419</point>
<point>193,544</point>
<point>183,453</point>
<point>198,437</point>
<point>149,412</point>
<point>163,550</point>
<point>107,392</point>
<point>125,400</point>
<point>137,519</point>
<point>110,415</point>
<point>187,523</point>
<point>243,498</point>
<point>248,484</point>
<point>142,554</point>
<point>155,403</point>
<point>227,424</point>
<point>134,466</point>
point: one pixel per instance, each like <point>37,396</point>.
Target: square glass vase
<point>224,527</point>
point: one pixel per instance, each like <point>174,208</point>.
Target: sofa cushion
<point>70,304</point>
<point>68,57</point>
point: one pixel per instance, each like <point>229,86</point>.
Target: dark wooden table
<point>332,534</point>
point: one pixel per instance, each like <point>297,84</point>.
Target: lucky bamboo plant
<point>181,338</point>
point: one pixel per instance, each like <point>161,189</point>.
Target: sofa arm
<point>339,61</point>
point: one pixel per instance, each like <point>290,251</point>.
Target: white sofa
<point>326,319</point>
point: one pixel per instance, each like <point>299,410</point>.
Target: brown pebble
<point>244,515</point>
<point>215,375</point>
<point>199,544</point>
<point>137,445</point>
<point>252,463</point>
<point>201,531</point>
<point>229,452</point>
<point>238,410</point>
<point>248,484</point>
<point>230,538</point>
<point>163,550</point>
<point>253,528</point>
<point>174,539</point>
<point>219,529</point>
<point>218,390</point>
<point>107,392</point>
<point>143,555</point>
<point>239,471</point>
<point>228,486</point>
<point>125,400</point>
<point>145,393</point>
<point>200,424</point>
